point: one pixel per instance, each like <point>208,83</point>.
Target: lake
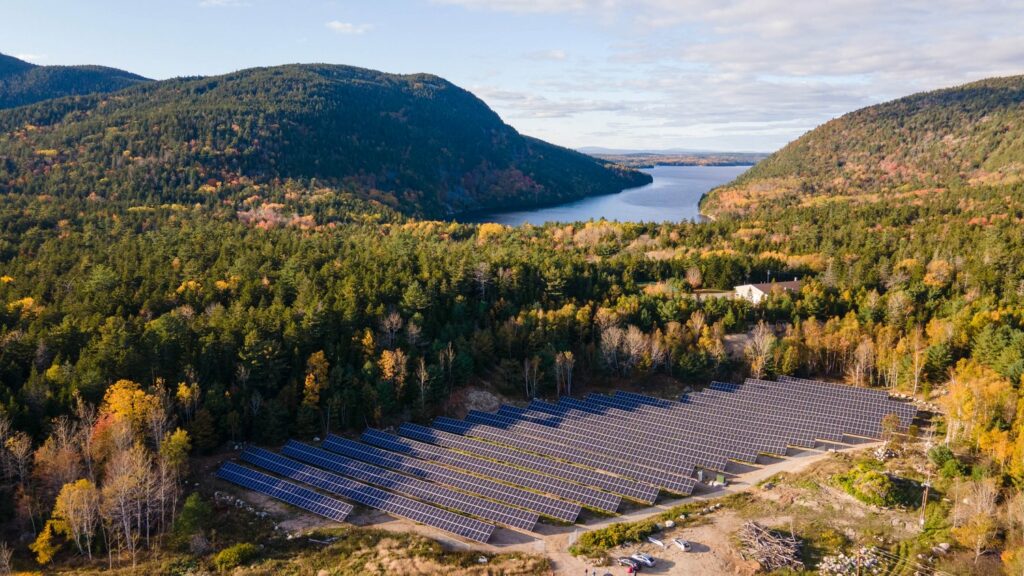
<point>673,196</point>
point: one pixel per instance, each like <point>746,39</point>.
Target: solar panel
<point>849,418</point>
<point>569,453</point>
<point>905,410</point>
<point>426,491</point>
<point>660,445</point>
<point>694,444</point>
<point>763,415</point>
<point>587,477</point>
<point>738,436</point>
<point>558,509</point>
<point>284,491</point>
<point>488,468</point>
<point>575,440</point>
<point>370,496</point>
<point>758,411</point>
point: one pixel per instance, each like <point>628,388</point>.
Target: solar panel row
<point>554,508</point>
<point>426,491</point>
<point>575,449</point>
<point>667,474</point>
<point>561,451</point>
<point>370,496</point>
<point>284,491</point>
<point>654,425</point>
<point>496,470</point>
<point>587,477</point>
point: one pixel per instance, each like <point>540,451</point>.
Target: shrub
<point>951,469</point>
<point>236,555</point>
<point>597,541</point>
<point>866,483</point>
<point>194,518</point>
<point>940,455</point>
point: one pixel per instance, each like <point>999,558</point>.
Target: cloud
<point>31,57</point>
<point>707,69</point>
<point>525,105</point>
<point>348,28</point>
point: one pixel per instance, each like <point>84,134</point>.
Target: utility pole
<point>924,498</point>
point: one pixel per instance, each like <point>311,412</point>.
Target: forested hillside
<point>415,143</point>
<point>24,83</point>
<point>947,139</point>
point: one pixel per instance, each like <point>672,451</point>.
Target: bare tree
<point>19,447</point>
<point>759,349</point>
<point>1015,512</point>
<point>78,505</point>
<point>564,363</point>
<point>5,559</point>
<point>423,377</point>
<point>693,277</point>
<point>5,434</point>
<point>659,351</point>
<point>124,496</point>
<point>917,355</point>
<point>863,362</point>
<point>413,334</point>
<point>389,326</point>
<point>482,276</point>
<point>611,342</point>
<point>531,373</point>
<point>255,402</point>
<point>974,513</point>
<point>447,359</point>
<point>86,414</point>
<point>636,346</point>
<point>696,323</point>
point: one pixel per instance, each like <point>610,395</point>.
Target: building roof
<point>766,287</point>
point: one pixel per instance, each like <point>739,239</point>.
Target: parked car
<point>629,562</point>
<point>682,544</point>
<point>645,559</point>
<point>655,541</point>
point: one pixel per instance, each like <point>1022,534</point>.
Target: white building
<point>757,292</point>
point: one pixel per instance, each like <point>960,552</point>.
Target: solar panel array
<point>370,496</point>
<point>285,491</point>
<point>539,482</point>
<point>426,491</point>
<point>514,465</point>
<point>549,506</point>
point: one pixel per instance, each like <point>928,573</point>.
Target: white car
<point>644,559</point>
<point>682,544</point>
<point>655,541</point>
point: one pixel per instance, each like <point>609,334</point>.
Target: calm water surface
<point>672,196</point>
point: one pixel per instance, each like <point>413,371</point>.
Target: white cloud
<point>31,57</point>
<point>348,28</point>
<point>773,68</point>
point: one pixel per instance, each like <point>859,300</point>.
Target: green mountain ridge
<point>416,143</point>
<point>962,136</point>
<point>23,83</point>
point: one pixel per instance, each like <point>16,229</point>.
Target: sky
<point>729,75</point>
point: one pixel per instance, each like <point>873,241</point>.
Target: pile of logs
<point>772,550</point>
